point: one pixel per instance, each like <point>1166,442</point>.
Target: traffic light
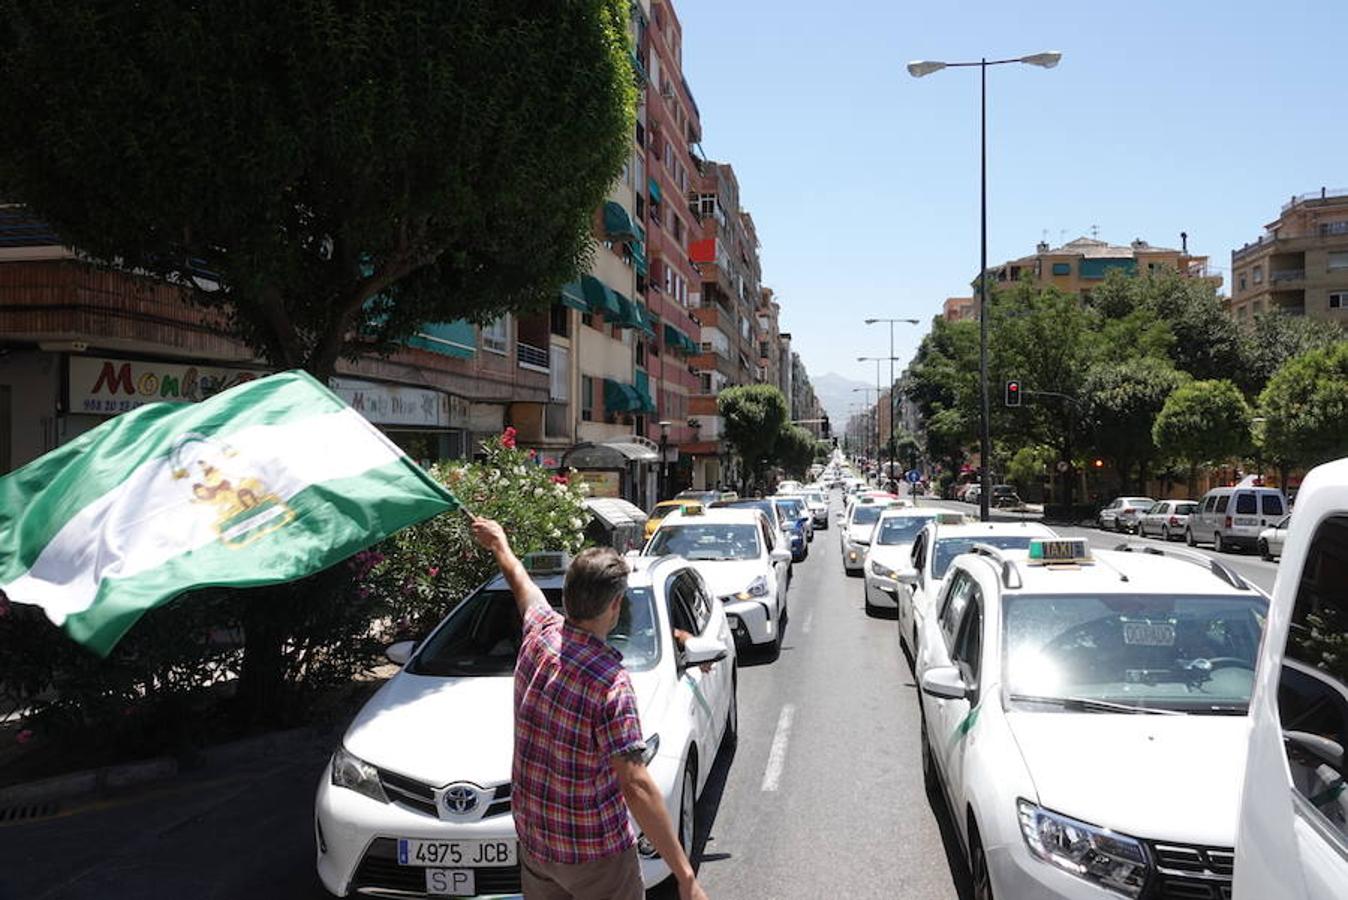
<point>824,427</point>
<point>1013,393</point>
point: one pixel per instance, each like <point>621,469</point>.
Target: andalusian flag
<point>263,483</point>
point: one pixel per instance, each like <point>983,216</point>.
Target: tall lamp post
<point>870,409</point>
<point>664,459</point>
<point>891,376</point>
<point>925,67</point>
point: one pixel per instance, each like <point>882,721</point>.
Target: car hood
<point>729,576</point>
<point>860,534</point>
<point>896,556</point>
<point>439,730</point>
<point>1168,778</point>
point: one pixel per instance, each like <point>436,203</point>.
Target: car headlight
<point>1095,854</point>
<point>882,571</point>
<point>757,588</point>
<point>352,772</point>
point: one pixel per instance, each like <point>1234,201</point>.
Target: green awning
<point>619,397</point>
<point>573,295</point>
<point>653,189</point>
<point>638,250</point>
<point>601,297</point>
<point>643,389</point>
<point>674,339</point>
<point>457,339</point>
<point>634,315</point>
<point>646,323</point>
<point>617,222</point>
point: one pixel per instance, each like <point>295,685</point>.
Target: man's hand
<point>681,637</point>
<point>489,535</point>
<point>691,890</point>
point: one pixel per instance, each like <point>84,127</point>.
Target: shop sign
<point>109,386</point>
<point>391,404</point>
<point>602,483</point>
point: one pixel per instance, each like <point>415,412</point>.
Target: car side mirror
<point>699,650</point>
<point>634,553</point>
<point>400,652</point>
<point>781,554</point>
<point>906,576</point>
<point>944,682</point>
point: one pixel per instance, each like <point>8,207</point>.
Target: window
<point>559,373</point>
<point>1338,300</point>
<point>1062,268</point>
<point>1338,260</point>
<point>641,206</point>
<point>706,204</point>
<point>1246,504</point>
<point>1328,228</point>
<point>967,652</point>
<point>1272,505</point>
<point>1208,504</point>
<point>587,398</point>
<point>1313,686</point>
<point>1222,502</point>
<point>961,586</point>
<point>641,353</point>
<point>1242,281</point>
<point>1258,274</point>
<point>496,335</point>
<point>676,224</point>
<point>559,320</point>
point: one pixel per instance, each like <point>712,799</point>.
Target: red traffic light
<point>1013,393</point>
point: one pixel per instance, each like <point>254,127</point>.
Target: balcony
<point>534,359</point>
<point>1283,275</point>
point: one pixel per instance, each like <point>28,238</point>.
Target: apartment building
<point>769,337</point>
<point>957,309</point>
<point>1079,265</point>
<point>1299,265</point>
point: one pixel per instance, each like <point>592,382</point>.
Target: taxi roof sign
<point>1060,551</point>
<point>546,562</point>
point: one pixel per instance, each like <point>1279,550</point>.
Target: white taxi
<point>854,532</point>
<point>1084,718</point>
<point>939,543</point>
<point>416,799</point>
<point>890,552</point>
<point>743,563</point>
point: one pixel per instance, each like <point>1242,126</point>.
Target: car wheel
<point>1189,538</point>
<point>732,718</point>
<point>978,867</point>
<point>871,609</point>
<point>930,779</point>
<point>688,811</point>
<point>1217,543</point>
<point>1118,526</point>
<point>1165,533</point>
<point>1263,550</point>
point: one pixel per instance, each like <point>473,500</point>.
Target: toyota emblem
<point>460,799</point>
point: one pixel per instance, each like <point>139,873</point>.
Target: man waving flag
<point>263,483</point>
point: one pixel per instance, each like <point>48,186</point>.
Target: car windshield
<point>866,515</point>
<point>1183,509</point>
<point>901,529</point>
<point>482,636</point>
<point>789,509</point>
<point>1154,651</point>
<point>946,549</point>
<point>814,497</point>
<point>706,541</point>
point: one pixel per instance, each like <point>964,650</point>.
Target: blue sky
<point>1164,116</point>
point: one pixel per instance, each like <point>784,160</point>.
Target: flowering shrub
<point>421,572</point>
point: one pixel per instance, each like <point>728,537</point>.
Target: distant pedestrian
<point>578,765</point>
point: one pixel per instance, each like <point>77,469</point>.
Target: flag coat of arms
<point>263,483</point>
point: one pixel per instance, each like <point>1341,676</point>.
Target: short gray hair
<point>596,576</point>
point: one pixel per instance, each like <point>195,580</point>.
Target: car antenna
<point>1108,565</point>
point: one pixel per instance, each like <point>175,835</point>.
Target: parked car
<point>665,507</point>
<point>1084,719</point>
<point>1004,496</point>
<point>1233,517</point>
<point>1166,519</point>
<point>1122,513</point>
<point>1272,539</point>
<point>1293,830</point>
<point>854,532</point>
<point>421,779</point>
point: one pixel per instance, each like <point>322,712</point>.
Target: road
<point>822,797</point>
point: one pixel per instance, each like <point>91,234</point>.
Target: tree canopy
<point>794,450</point>
<point>344,173</point>
<point>1203,422</point>
<point>754,415</point>
<point>1305,407</point>
<point>1123,400</point>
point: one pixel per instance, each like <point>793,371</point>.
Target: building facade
<point>957,309</point>
<point>1299,265</point>
<point>1079,266</point>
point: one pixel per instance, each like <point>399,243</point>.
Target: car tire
<point>978,866</point>
<point>1165,533</point>
<point>1263,550</point>
<point>931,780</point>
<point>688,811</point>
<point>1217,543</point>
<point>732,718</point>
<point>1189,538</point>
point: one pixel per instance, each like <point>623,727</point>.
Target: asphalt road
<point>822,797</point>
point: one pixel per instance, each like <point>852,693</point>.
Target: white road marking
<point>809,623</point>
<point>772,776</point>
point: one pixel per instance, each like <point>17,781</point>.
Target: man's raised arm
<point>491,536</point>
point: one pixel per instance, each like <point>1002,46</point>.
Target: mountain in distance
<point>835,395</point>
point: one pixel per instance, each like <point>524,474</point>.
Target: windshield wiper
<point>1088,704</point>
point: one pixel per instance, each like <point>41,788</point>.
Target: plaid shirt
<point>574,711</point>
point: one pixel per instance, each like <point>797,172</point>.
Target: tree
<point>1123,400</point>
<point>1305,408</point>
<point>1028,465</point>
<point>754,416</point>
<point>1206,339</point>
<point>343,172</point>
<point>1272,339</point>
<point>794,450</point>
<point>1203,422</point>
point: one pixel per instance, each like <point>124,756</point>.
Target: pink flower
<point>508,439</point>
<point>433,571</point>
<point>24,736</point>
<point>560,479</point>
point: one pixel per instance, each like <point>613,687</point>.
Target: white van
<point>1230,517</point>
<point>1292,842</point>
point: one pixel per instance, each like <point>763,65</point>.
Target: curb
<point>94,782</point>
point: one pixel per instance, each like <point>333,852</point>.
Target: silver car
<point>1271,539</point>
<point>1122,513</point>
<point>1166,519</point>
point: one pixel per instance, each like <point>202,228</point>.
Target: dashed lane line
<point>772,775</point>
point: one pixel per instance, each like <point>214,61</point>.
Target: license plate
<point>478,854</point>
<point>1146,634</point>
<point>1240,520</point>
<point>451,882</point>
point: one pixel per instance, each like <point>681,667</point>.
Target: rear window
<point>866,515</point>
<point>1246,504</point>
<point>1272,505</point>
<point>1222,501</point>
<point>1183,509</point>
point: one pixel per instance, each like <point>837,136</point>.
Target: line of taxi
<point>1083,713</point>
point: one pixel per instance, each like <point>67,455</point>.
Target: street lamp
<point>872,321</point>
<point>870,409</point>
<point>918,69</point>
<point>878,446</point>
<point>664,458</point>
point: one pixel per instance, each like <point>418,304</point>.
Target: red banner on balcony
<point>703,251</point>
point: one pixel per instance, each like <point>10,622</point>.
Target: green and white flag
<point>263,483</point>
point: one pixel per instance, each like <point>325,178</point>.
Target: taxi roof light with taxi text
<point>1060,552</point>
